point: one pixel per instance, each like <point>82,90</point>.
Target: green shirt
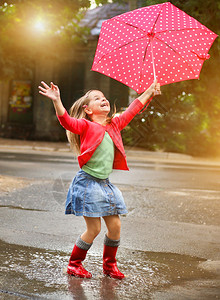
<point>101,162</point>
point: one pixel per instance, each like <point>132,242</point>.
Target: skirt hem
<point>92,197</point>
<point>96,215</point>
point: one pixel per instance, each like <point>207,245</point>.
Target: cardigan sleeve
<point>74,125</point>
<point>129,113</point>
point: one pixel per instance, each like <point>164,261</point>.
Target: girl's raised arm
<point>153,90</point>
<point>138,104</point>
<point>72,124</point>
<point>53,93</point>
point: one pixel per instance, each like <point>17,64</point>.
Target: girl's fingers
<point>42,93</point>
<point>157,90</point>
<point>53,86</point>
<point>157,87</point>
<point>45,85</point>
<point>42,89</point>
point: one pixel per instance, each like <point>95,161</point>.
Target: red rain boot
<point>75,267</point>
<point>110,264</point>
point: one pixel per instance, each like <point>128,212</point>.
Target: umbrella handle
<point>152,56</point>
<point>154,71</point>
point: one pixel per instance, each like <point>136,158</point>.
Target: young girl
<point>96,134</point>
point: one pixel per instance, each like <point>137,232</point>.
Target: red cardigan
<point>92,134</point>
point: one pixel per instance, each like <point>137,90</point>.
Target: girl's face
<point>98,104</point>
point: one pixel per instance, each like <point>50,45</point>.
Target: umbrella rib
<point>157,17</point>
<point>181,29</point>
<point>145,52</point>
<point>120,21</point>
<point>136,27</point>
<point>120,48</point>
<point>176,53</point>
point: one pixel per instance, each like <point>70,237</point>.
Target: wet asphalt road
<point>171,229</point>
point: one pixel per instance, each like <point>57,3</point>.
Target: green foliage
<point>101,2</point>
<point>180,126</point>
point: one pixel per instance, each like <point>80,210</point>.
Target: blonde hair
<point>78,111</point>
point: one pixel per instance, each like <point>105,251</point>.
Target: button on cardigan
<point>92,134</point>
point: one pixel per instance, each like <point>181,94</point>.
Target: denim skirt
<point>93,197</point>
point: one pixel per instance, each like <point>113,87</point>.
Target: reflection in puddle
<point>39,273</point>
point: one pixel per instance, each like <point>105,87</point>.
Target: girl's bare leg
<point>93,229</point>
<point>113,224</point>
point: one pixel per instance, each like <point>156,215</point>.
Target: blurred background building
<point>24,113</point>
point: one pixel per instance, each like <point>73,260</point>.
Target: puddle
<point>33,273</point>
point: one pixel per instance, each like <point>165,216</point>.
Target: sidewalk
<point>133,154</point>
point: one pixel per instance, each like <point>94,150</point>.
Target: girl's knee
<point>113,224</point>
<point>95,231</point>
<point>116,227</point>
<point>93,227</point>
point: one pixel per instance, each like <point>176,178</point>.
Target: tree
<point>30,28</point>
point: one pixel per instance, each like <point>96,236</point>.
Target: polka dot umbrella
<point>158,41</point>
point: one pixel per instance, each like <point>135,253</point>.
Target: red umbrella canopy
<point>159,41</point>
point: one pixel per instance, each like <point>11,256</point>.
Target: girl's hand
<point>154,89</point>
<point>51,92</point>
